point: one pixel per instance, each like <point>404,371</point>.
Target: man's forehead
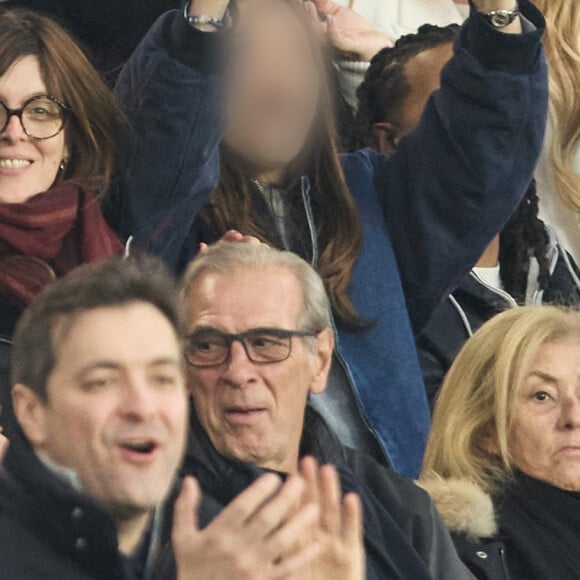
<point>246,296</point>
<point>132,334</point>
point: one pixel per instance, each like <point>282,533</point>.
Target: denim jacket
<point>428,211</point>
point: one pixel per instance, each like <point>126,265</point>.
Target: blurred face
<point>423,74</point>
<point>545,438</point>
<point>255,412</point>
<point>275,89</point>
<point>117,407</point>
<point>27,166</point>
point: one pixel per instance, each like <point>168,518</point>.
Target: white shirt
<point>399,17</point>
<point>490,276</point>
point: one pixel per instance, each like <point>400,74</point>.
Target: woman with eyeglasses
<point>59,135</point>
<point>62,139</point>
<point>60,130</point>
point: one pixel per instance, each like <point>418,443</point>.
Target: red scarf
<point>49,235</point>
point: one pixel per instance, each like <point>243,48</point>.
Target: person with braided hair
<point>391,236</point>
<point>358,29</point>
<point>524,264</point>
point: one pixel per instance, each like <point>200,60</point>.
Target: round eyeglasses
<point>41,117</point>
<point>212,348</point>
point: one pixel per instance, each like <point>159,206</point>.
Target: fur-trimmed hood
<point>463,506</point>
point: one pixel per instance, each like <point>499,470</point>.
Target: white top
<point>553,211</point>
<point>399,17</point>
<point>490,276</point>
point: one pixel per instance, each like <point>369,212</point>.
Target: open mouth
<point>139,450</point>
<point>139,446</point>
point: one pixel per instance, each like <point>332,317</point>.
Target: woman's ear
<point>30,412</point>
<point>322,360</point>
<point>489,443</point>
<point>385,137</point>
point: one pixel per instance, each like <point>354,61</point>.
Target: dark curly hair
<point>524,237</point>
<point>381,97</point>
<point>385,86</point>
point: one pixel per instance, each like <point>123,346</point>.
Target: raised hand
<point>348,31</point>
<point>486,6</point>
<point>340,531</point>
<point>259,536</point>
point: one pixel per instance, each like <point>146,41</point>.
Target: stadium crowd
<point>288,290</point>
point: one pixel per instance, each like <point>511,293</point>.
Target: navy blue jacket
<point>404,536</point>
<point>49,530</point>
<point>428,211</point>
<point>474,303</point>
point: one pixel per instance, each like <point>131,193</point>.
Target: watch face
<point>501,18</point>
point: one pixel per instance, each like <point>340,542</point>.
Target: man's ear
<point>323,360</point>
<point>385,137</point>
<point>30,411</point>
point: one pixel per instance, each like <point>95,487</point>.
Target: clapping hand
<point>259,536</point>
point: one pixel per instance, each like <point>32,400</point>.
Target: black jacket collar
<point>68,522</point>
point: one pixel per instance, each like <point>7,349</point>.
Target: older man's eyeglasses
<point>41,117</point>
<point>211,348</point>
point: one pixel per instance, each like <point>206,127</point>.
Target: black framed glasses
<point>41,117</point>
<point>212,348</point>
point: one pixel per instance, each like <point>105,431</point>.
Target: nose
<point>570,414</point>
<point>138,400</point>
<point>14,131</point>
<point>240,370</point>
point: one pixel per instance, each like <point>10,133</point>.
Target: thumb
<point>340,38</point>
<point>185,522</point>
<point>325,7</point>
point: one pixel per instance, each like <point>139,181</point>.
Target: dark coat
<point>48,531</point>
<point>428,211</point>
<point>404,537</point>
<point>528,531</point>
<point>474,303</point>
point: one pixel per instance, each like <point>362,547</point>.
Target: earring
<point>63,164</point>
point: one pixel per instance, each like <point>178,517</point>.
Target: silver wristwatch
<point>502,18</point>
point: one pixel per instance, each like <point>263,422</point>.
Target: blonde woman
<point>558,173</point>
<point>503,458</point>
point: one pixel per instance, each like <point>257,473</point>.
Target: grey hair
<point>221,258</point>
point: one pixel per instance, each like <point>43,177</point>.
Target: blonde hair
<point>562,41</point>
<point>472,419</point>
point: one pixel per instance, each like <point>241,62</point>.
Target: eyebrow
<point>197,329</point>
<point>115,366</point>
<point>34,95</point>
<point>544,377</point>
<point>206,328</point>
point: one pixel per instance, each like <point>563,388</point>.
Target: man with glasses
<point>260,344</point>
<point>88,478</point>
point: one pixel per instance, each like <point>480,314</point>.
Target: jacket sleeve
<point>453,183</point>
<point>168,90</point>
<point>432,369</point>
<point>443,560</point>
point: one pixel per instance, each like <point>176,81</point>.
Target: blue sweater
<point>428,211</point>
